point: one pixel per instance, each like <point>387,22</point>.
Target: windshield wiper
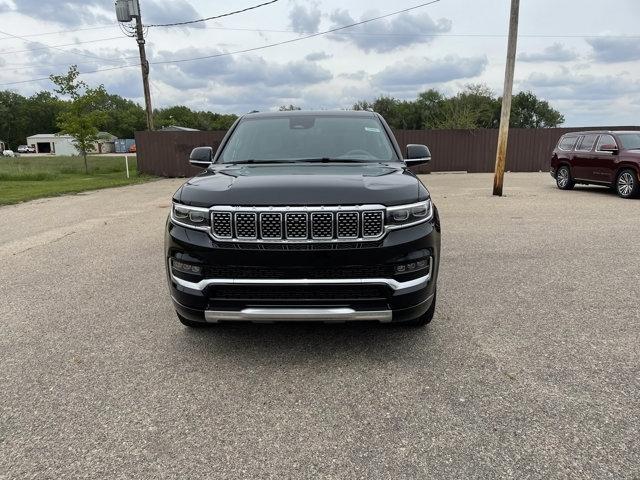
<point>333,160</point>
<point>302,160</point>
<point>242,162</point>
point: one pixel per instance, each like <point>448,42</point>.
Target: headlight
<point>193,217</point>
<point>407,215</point>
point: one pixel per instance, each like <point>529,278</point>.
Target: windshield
<point>309,137</point>
<point>630,141</point>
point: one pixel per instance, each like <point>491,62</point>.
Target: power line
<point>212,18</point>
<point>42,34</point>
<point>373,34</point>
<point>292,40</point>
<point>244,50</point>
<point>431,35</point>
<point>45,47</point>
<point>370,34</point>
<point>120,67</point>
<point>60,49</point>
<point>21,66</point>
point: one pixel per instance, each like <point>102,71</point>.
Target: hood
<point>300,184</point>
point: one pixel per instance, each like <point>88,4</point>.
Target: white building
<point>52,143</point>
<point>63,144</point>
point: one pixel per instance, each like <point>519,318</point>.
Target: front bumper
<point>269,298</point>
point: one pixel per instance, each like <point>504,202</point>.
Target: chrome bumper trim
<point>298,315</point>
<point>390,282</point>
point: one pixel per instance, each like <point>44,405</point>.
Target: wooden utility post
<point>126,11</point>
<point>144,64</point>
<point>505,114</point>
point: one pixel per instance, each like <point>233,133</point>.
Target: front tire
<point>627,184</point>
<point>563,178</point>
<point>426,317</point>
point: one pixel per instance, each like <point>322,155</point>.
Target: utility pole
<point>505,114</point>
<point>126,10</point>
<point>144,65</point>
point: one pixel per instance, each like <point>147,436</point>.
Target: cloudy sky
<point>583,56</point>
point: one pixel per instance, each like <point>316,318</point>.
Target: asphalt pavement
<point>530,369</point>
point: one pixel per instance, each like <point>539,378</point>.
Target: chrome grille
<point>221,224</point>
<point>348,224</point>
<point>372,224</point>
<point>298,224</point>
<point>246,225</point>
<point>321,225</point>
<point>271,225</point>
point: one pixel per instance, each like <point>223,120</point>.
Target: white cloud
<point>553,53</point>
<point>305,18</point>
<point>386,35</point>
<point>317,56</point>
<point>417,72</point>
<point>612,49</point>
<point>565,85</point>
<point>248,72</point>
<point>400,55</point>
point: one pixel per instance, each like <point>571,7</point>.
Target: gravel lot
<point>531,368</point>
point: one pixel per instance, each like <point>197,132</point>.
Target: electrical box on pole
<point>126,10</point>
<point>122,11</point>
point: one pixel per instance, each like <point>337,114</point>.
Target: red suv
<point>599,158</point>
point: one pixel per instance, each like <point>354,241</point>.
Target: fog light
<point>186,267</point>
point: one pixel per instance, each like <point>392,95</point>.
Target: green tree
<point>178,115</point>
<point>215,121</point>
<point>456,113</point>
<point>289,108</point>
<point>185,117</point>
<point>429,104</point>
<point>122,117</point>
<point>22,117</point>
<point>527,111</point>
<point>474,107</point>
<point>13,119</point>
<point>82,114</point>
<point>42,110</point>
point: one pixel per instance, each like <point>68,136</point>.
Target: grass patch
<point>28,178</point>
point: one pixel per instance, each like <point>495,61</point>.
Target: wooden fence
<point>166,153</point>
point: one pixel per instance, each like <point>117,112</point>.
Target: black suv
<point>304,216</point>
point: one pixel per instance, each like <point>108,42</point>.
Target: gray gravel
<point>531,368</point>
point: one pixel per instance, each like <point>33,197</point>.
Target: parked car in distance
<point>304,216</point>
<point>8,153</point>
<point>609,158</point>
<point>26,149</point>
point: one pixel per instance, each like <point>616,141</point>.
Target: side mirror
<point>608,147</point>
<point>201,156</point>
<point>417,154</point>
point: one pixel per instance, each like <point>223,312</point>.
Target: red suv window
<point>567,143</point>
<point>605,140</point>
<point>586,144</point>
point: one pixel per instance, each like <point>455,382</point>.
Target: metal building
<point>52,143</point>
